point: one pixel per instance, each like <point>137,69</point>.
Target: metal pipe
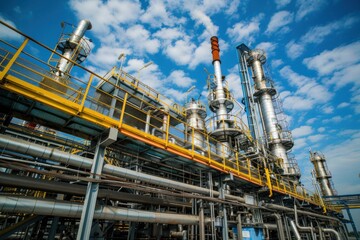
<point>239,227</point>
<point>148,118</point>
<point>47,207</point>
<point>301,228</point>
<point>286,209</point>
<point>64,66</point>
<point>295,230</point>
<point>280,227</point>
<point>36,150</point>
<point>334,232</point>
<point>75,189</point>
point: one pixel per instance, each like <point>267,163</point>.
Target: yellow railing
<point>17,77</point>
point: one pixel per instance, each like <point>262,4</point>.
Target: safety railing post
<point>81,108</point>
<point>123,111</point>
<point>12,60</point>
<point>167,129</point>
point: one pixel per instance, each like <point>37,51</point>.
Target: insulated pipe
<point>35,150</point>
<point>295,230</point>
<point>280,227</point>
<point>64,66</point>
<point>75,189</point>
<point>148,119</point>
<point>301,228</point>
<point>16,204</point>
<point>334,232</point>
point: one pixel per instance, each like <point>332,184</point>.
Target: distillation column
<point>221,103</point>
<point>322,174</point>
<point>279,142</point>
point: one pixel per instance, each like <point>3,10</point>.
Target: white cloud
<point>321,129</point>
<point>105,15</point>
<point>294,50</point>
<point>305,7</point>
<point>279,21</point>
<point>343,105</point>
<point>157,15</point>
<point>276,63</point>
<point>336,59</point>
<point>343,161</point>
<point>318,34</point>
<point>282,3</point>
<point>141,39</point>
<point>180,51</point>
<point>268,47</point>
<point>201,18</point>
<point>311,120</point>
<point>169,34</point>
<point>106,55</point>
<point>316,138</point>
<point>328,109</point>
<point>202,54</point>
<point>232,8</point>
<point>335,119</point>
<point>302,131</point>
<point>297,103</point>
<point>6,33</point>
<point>179,78</point>
<point>245,31</point>
<point>309,93</point>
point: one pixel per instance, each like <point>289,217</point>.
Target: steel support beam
<point>92,190</point>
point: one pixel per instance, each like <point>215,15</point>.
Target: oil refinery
<point>85,156</point>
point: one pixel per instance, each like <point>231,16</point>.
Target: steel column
<point>92,190</point>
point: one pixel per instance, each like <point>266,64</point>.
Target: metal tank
<point>322,174</point>
<point>73,48</point>
<point>195,119</point>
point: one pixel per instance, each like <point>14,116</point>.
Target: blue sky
<point>313,49</point>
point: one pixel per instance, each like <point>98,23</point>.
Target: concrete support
<point>92,190</point>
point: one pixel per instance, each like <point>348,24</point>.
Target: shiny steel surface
<point>16,204</point>
<point>32,149</point>
<point>323,176</point>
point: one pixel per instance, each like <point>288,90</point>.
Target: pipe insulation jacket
<point>35,150</point>
<point>49,207</point>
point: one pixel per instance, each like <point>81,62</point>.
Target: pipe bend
<point>333,231</point>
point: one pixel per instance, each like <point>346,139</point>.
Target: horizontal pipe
<point>286,209</point>
<point>10,180</point>
<point>47,207</point>
<point>35,150</point>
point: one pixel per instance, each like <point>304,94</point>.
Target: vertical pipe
<point>239,227</point>
<point>64,65</point>
<point>280,226</point>
<point>201,222</point>
<point>295,230</point>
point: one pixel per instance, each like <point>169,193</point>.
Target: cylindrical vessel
<point>195,119</point>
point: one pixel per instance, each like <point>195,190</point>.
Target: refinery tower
<point>109,157</point>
